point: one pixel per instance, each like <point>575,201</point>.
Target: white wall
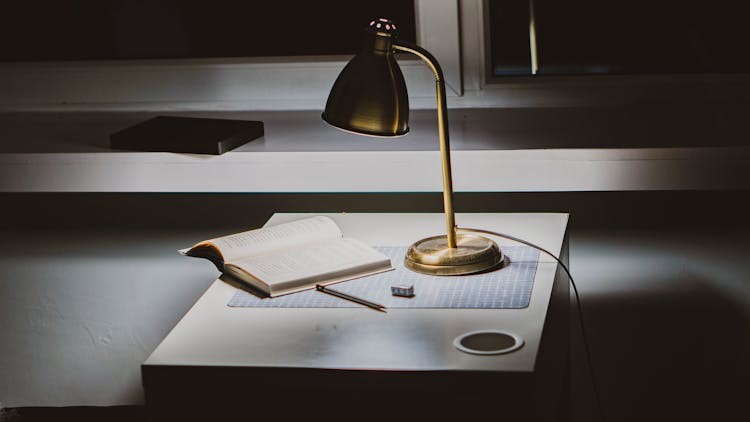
<point>84,303</point>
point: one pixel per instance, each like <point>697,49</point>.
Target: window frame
<point>270,83</point>
<point>455,31</point>
<point>484,90</point>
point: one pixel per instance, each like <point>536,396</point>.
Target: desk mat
<point>507,288</point>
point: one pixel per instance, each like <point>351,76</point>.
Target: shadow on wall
<point>666,347</point>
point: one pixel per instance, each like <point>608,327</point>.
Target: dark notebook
<point>187,134</point>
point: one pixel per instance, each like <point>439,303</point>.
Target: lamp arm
<point>445,153</point>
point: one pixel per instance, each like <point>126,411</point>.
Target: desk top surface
<point>213,334</point>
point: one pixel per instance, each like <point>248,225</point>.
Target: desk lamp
<point>369,97</point>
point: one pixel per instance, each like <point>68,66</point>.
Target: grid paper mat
<point>507,288</point>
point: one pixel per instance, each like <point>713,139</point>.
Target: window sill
<point>494,150</point>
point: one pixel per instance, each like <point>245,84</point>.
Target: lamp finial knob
<point>383,26</point>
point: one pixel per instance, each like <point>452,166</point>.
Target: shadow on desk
<point>239,284</point>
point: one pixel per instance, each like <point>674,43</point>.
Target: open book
<point>291,257</point>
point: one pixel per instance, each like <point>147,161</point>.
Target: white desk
<point>216,351</point>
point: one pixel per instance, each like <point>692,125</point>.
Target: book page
<point>269,239</point>
<point>301,267</point>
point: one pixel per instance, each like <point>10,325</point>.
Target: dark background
<point>38,30</point>
<point>616,36</point>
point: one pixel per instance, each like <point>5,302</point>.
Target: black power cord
<point>578,304</point>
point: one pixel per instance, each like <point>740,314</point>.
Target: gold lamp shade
<point>369,96</point>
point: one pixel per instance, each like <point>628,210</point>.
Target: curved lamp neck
<point>442,110</point>
<point>423,54</point>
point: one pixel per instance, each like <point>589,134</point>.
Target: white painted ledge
<point>68,153</point>
<point>379,171</point>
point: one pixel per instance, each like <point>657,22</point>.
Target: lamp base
<point>473,254</point>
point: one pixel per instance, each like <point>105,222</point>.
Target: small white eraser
<point>402,290</point>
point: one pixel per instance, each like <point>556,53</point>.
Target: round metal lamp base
<point>473,254</point>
